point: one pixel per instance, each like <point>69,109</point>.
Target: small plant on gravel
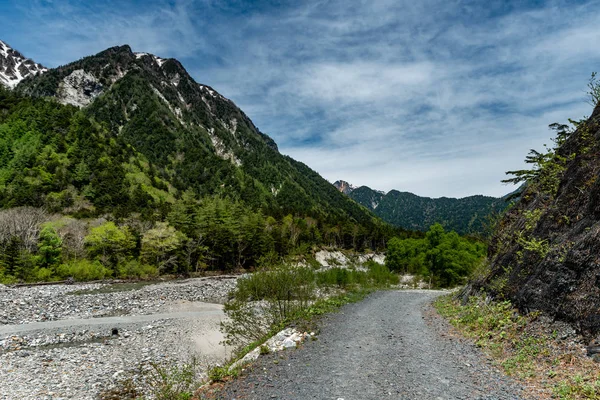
<point>158,382</point>
<point>264,350</point>
<point>221,373</point>
<point>172,382</point>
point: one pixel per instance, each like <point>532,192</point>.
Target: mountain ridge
<point>410,211</point>
<point>14,67</point>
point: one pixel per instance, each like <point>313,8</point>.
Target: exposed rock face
<point>14,67</point>
<point>546,252</point>
<point>79,88</point>
<point>344,186</point>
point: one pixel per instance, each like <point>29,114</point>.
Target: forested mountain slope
<point>190,135</point>
<point>133,139</point>
<point>409,211</point>
<point>546,252</point>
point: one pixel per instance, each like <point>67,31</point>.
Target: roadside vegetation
<point>268,300</point>
<point>525,347</point>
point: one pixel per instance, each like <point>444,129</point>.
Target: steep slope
<point>14,67</point>
<point>409,211</point>
<point>190,136</point>
<point>546,252</point>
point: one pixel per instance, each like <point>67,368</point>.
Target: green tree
<point>160,247</point>
<point>110,244</point>
<point>49,248</point>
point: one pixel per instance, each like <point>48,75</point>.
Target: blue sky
<point>436,97</point>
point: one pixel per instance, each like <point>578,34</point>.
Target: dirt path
<point>389,346</point>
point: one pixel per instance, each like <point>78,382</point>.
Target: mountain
<point>132,134</point>
<point>545,254</point>
<point>14,67</point>
<point>409,211</point>
<point>343,186</point>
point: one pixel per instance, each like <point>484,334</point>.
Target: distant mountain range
<point>409,211</point>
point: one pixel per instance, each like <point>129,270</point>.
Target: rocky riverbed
<point>60,342</point>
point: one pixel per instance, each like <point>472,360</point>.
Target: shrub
<point>43,274</point>
<point>135,269</point>
<point>380,275</point>
<point>83,270</point>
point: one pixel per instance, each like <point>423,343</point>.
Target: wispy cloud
<point>434,97</point>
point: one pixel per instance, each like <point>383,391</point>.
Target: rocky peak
<point>14,67</point>
<point>344,186</point>
<point>118,85</point>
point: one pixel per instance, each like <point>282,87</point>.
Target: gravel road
<point>389,346</point>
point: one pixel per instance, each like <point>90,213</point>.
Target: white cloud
<point>434,97</point>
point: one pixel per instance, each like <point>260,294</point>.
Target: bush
<point>285,291</point>
<point>43,274</point>
<point>380,275</point>
<point>135,269</point>
<point>270,298</point>
<point>83,270</point>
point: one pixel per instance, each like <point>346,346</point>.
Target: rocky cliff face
<point>14,67</point>
<point>344,186</point>
<point>546,252</point>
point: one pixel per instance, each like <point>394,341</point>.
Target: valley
<point>156,244</point>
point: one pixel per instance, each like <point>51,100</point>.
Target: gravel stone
<point>74,354</point>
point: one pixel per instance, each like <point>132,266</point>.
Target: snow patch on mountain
<point>14,67</point>
<point>159,61</point>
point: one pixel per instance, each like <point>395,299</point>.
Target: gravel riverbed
<point>57,342</point>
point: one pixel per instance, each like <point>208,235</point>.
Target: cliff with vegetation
<point>545,254</point>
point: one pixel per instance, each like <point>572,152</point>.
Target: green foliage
<point>136,269</point>
<point>49,248</point>
<point>549,166</point>
<point>81,270</point>
<point>165,381</point>
<point>444,256</point>
<point>594,90</point>
<point>175,382</point>
<point>110,244</point>
<point>160,246</point>
<point>520,348</point>
<point>183,191</point>
<point>406,256</point>
<point>270,298</point>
